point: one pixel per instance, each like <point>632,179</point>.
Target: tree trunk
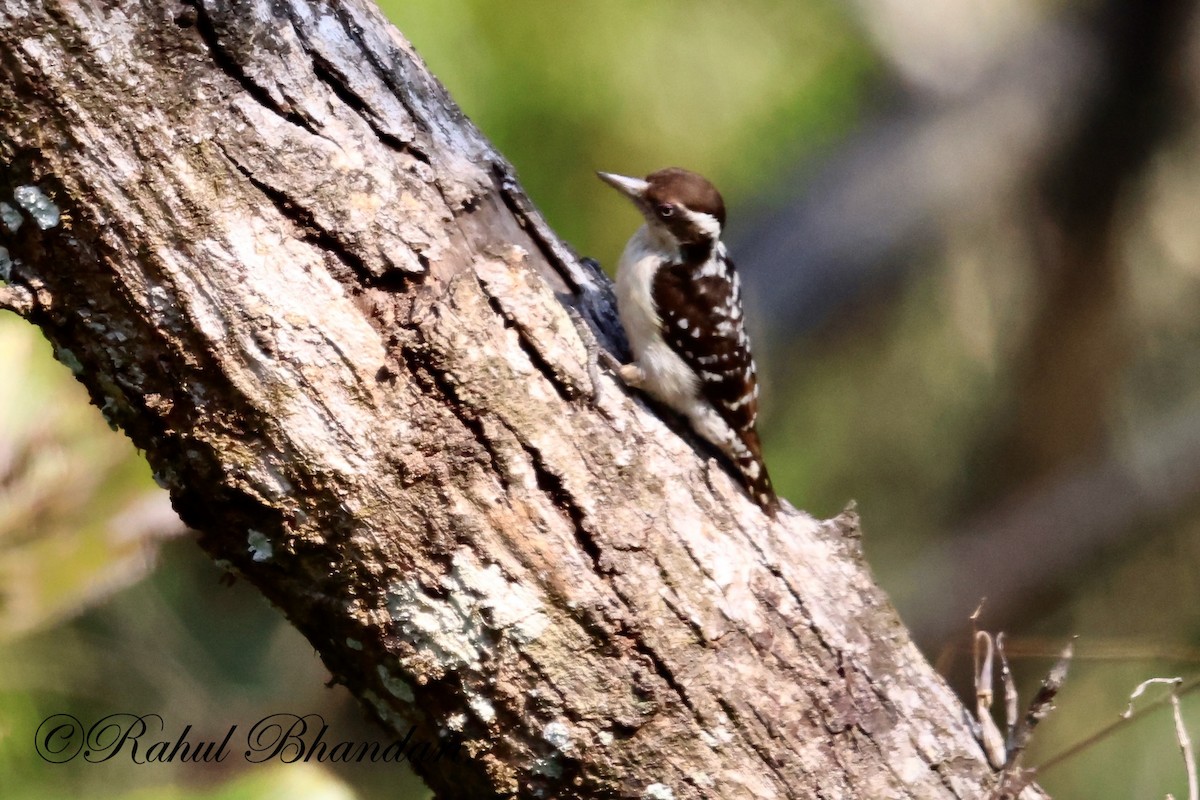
<point>281,260</point>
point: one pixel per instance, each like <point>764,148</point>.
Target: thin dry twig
<point>1108,730</point>
<point>1185,744</point>
<point>1013,777</point>
<point>1042,704</point>
<point>989,733</point>
<point>1181,732</point>
<point>1011,711</point>
<point>1004,753</point>
<point>1141,688</point>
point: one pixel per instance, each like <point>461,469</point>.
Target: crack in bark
<point>400,91</point>
<point>565,389</point>
<point>317,235</point>
<point>228,64</point>
<point>751,740</point>
<point>555,253</point>
<point>691,623</point>
<point>552,485</point>
<point>777,572</point>
<point>435,379</point>
<point>939,769</point>
<point>329,75</point>
<point>332,77</point>
<point>663,671</point>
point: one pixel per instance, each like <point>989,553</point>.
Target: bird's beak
<point>633,188</point>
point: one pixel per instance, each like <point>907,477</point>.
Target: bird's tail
<point>753,471</point>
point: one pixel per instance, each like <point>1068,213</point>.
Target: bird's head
<point>676,202</point>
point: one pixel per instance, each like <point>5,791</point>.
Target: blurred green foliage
<point>74,518</point>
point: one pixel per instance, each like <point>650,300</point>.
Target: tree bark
<point>284,263</point>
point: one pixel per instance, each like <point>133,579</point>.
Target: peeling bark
<point>284,263</point>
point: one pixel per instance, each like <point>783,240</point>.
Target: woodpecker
<point>680,302</point>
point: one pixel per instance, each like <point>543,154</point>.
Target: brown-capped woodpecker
<point>680,302</point>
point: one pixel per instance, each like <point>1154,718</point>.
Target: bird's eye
<point>665,210</point>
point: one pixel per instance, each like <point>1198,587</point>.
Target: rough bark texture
<point>283,262</point>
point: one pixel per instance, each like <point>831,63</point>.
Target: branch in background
<point>1074,353</point>
<point>1053,532</point>
<point>898,182</point>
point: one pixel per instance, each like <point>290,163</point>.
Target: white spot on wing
<point>743,400</point>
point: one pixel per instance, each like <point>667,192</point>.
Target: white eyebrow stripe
<point>709,225</point>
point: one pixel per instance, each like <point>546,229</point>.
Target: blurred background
<point>970,234</point>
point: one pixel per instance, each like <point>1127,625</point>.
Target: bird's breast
<point>667,377</point>
<point>635,290</point>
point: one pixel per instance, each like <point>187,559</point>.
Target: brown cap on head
<point>664,195</point>
<point>686,188</point>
